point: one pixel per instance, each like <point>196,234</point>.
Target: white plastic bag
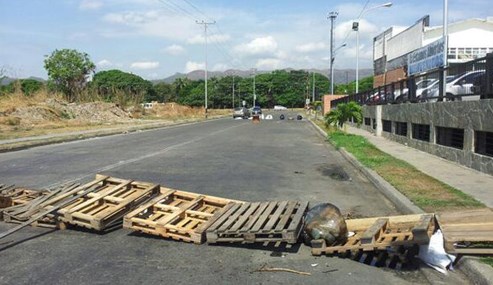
<point>434,254</point>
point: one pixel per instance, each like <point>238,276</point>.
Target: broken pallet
<point>467,232</point>
<point>112,199</point>
<point>12,196</point>
<point>178,215</point>
<point>382,233</point>
<point>259,222</point>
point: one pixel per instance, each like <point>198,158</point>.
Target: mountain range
<point>341,76</point>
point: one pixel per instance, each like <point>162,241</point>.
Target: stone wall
<point>471,116</point>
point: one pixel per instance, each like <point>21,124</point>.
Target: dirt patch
<point>333,171</point>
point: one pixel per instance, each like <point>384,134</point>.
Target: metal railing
<point>471,80</point>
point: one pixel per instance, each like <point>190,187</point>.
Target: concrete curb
<point>75,137</point>
<point>477,272</point>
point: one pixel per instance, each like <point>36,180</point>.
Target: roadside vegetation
<point>426,192</point>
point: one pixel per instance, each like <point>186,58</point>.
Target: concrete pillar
<point>468,141</point>
<point>378,120</point>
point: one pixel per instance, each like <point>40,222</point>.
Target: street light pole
<point>445,45</point>
<point>313,87</point>
<point>254,95</point>
<point>356,28</point>
<point>332,17</point>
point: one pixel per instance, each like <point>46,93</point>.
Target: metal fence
<point>471,80</point>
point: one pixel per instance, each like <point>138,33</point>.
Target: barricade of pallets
<point>12,196</point>
<point>108,203</point>
<point>467,232</point>
<point>375,234</point>
<point>259,222</point>
<point>178,215</point>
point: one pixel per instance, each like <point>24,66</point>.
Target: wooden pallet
<point>381,233</point>
<point>178,215</point>
<point>12,196</point>
<point>259,222</point>
<point>112,199</point>
<point>467,232</point>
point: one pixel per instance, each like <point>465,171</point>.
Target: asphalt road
<point>273,160</point>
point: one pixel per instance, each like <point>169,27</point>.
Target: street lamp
<point>356,28</point>
<point>332,17</point>
<point>332,68</point>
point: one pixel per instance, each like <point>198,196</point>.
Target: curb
<point>69,138</point>
<point>476,272</point>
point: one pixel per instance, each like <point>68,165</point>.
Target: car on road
<point>256,111</point>
<point>241,112</point>
<point>279,108</point>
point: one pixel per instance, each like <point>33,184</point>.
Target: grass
<point>487,260</point>
<point>426,192</point>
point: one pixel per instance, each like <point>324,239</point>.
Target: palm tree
<point>343,113</point>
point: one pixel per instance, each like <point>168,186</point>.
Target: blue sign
<point>426,58</point>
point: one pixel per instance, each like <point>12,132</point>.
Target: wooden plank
<point>254,217</point>
<point>374,232</point>
<point>234,217</point>
<point>282,223</point>
<point>297,219</point>
<point>261,220</point>
<point>224,217</point>
<point>281,207</point>
<point>241,221</point>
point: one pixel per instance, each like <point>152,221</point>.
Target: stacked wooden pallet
<point>28,203</point>
<point>374,234</point>
<point>259,222</point>
<point>12,196</point>
<point>178,215</point>
<point>108,203</point>
<point>467,232</point>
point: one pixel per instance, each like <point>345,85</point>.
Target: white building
<point>468,39</point>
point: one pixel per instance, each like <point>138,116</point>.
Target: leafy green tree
<point>68,71</point>
<point>365,84</point>
<point>110,82</point>
<point>343,113</point>
<point>164,92</point>
<point>30,86</point>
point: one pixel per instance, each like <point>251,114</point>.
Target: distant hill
<point>7,80</point>
<point>341,76</point>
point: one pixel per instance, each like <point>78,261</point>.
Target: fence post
<point>441,91</point>
<point>411,87</point>
<point>489,76</point>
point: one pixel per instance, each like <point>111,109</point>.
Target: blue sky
<point>157,38</point>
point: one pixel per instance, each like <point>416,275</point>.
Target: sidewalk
<point>478,185</point>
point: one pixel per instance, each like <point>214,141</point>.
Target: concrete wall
<point>470,115</point>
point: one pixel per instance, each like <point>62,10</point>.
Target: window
<point>367,122</point>
<point>374,124</point>
<point>450,137</point>
<point>421,132</point>
<point>484,143</point>
<point>387,126</point>
<point>401,128</point>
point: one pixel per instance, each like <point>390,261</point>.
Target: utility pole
<point>332,17</point>
<point>313,87</point>
<point>254,95</point>
<point>445,45</point>
<point>205,34</point>
<point>233,91</point>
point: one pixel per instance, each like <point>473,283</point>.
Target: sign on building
<point>426,58</point>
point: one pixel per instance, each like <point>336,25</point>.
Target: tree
<point>164,92</point>
<point>110,82</point>
<point>343,113</point>
<point>68,71</point>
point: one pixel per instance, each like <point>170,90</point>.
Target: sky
<point>158,38</point>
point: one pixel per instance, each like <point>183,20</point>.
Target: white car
<point>279,107</point>
<point>459,85</point>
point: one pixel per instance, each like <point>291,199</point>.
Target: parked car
<point>279,107</point>
<point>256,110</point>
<point>479,87</point>
<point>456,87</point>
<point>241,112</point>
<point>421,86</point>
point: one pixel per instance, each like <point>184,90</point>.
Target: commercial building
<point>468,39</point>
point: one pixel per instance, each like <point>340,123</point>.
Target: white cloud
<point>269,63</point>
<point>90,4</point>
<point>192,66</point>
<point>145,65</point>
<point>311,47</point>
<point>104,63</point>
<point>261,46</point>
<point>174,49</point>
<point>200,39</point>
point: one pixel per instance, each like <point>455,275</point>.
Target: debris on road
<point>178,215</point>
<point>264,268</point>
<point>325,221</point>
<point>259,222</point>
<point>13,196</point>
<point>467,232</point>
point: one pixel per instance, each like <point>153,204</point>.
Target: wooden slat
<point>254,217</point>
<point>261,220</point>
<point>374,232</point>
<point>241,221</point>
<point>295,222</point>
<point>233,217</point>
<point>282,223</point>
<point>281,207</point>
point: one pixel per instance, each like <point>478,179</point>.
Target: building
<point>468,39</point>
